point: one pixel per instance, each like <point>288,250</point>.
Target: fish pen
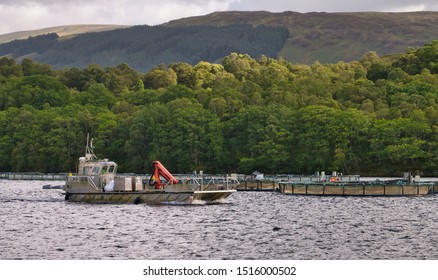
<point>356,189</point>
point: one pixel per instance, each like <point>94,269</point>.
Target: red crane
<point>160,170</point>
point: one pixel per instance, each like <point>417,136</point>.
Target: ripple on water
<point>39,224</point>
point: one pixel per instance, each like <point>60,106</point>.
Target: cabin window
<point>86,170</point>
<point>111,169</point>
<point>96,170</point>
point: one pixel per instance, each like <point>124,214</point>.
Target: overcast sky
<point>19,15</point>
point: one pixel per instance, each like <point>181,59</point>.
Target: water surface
<point>39,224</point>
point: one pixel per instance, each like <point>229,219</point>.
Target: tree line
<point>376,116</point>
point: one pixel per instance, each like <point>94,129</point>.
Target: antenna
<point>89,154</point>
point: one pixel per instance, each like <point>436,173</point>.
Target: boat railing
<point>224,182</point>
<point>209,182</point>
<point>92,183</point>
<point>87,179</point>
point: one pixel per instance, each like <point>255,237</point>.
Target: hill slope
<point>297,37</point>
<point>143,47</point>
<point>330,37</point>
<point>61,31</point>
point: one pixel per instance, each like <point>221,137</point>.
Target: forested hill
<point>297,37</point>
<point>376,116</point>
<point>331,37</point>
<point>143,47</point>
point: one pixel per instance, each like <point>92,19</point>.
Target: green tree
<point>242,66</point>
<point>159,77</point>
<point>400,144</point>
<point>9,68</point>
<point>36,91</point>
<point>31,68</point>
<point>329,139</point>
<point>185,74</point>
<point>97,95</point>
<point>195,141</point>
<point>259,138</point>
<point>206,73</point>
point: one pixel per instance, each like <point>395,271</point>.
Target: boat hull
<point>151,197</point>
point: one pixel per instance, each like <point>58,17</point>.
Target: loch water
<point>40,224</point>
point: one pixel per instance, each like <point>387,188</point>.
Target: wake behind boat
<point>97,181</point>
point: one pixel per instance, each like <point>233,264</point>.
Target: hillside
<point>330,37</point>
<point>297,37</point>
<point>61,31</point>
<point>143,47</point>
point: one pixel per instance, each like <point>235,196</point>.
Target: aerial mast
<point>89,154</point>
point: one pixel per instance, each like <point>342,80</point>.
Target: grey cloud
<point>18,15</point>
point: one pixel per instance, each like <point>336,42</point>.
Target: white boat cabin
<point>89,166</point>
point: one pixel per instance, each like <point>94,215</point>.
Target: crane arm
<point>160,170</point>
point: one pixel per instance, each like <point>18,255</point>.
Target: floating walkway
<point>271,183</point>
<point>33,176</point>
<point>392,188</point>
<point>257,186</point>
<point>337,184</point>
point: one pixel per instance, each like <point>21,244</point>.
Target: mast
<point>89,154</point>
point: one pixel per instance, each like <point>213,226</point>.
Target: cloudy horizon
<point>20,15</point>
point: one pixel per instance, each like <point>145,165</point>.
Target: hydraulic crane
<point>160,170</point>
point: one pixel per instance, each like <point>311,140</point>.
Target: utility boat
<point>97,181</point>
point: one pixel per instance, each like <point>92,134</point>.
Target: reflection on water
<point>39,224</point>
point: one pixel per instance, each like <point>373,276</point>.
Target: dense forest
<point>142,47</point>
<point>376,116</point>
